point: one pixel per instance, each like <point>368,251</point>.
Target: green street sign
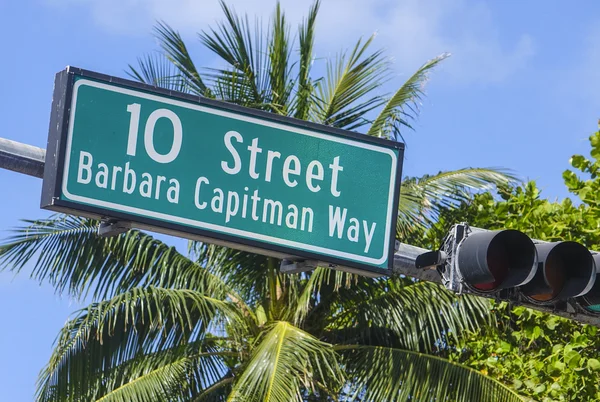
<point>224,174</point>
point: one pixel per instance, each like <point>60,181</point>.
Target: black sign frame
<point>55,158</point>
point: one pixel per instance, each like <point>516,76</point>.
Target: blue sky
<point>520,91</point>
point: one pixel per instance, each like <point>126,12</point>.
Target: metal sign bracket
<point>112,227</point>
<point>294,267</point>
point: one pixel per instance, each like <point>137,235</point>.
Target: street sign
<point>217,172</point>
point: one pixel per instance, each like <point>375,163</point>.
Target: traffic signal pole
<point>22,158</point>
<point>30,160</point>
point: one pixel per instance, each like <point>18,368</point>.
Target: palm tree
<point>219,324</point>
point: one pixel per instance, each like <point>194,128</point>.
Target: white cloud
<point>411,30</point>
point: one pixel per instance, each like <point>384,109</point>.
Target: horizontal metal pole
<point>404,264</point>
<point>22,158</point>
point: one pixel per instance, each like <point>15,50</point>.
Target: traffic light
<point>491,261</point>
<point>565,270</point>
<point>509,265</point>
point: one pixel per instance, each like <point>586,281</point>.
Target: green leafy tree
<point>541,356</point>
<point>219,324</point>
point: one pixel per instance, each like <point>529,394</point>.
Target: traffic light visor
<point>590,301</point>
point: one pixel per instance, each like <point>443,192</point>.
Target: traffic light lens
<point>498,265</point>
<point>595,308</point>
<point>554,273</point>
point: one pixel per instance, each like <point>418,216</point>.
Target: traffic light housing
<point>509,265</point>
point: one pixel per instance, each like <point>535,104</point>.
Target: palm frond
<point>176,51</point>
<point>305,85</point>
<point>140,322</point>
<point>217,392</point>
<point>68,253</point>
<point>145,383</point>
<point>279,58</point>
<point>397,111</point>
<point>235,44</point>
<point>390,374</point>
<point>232,86</point>
<point>256,278</point>
<point>401,312</point>
<point>321,286</point>
<point>246,272</point>
<point>158,71</point>
<point>285,361</point>
<point>421,199</point>
<point>175,374</point>
<point>445,183</point>
<point>345,96</point>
